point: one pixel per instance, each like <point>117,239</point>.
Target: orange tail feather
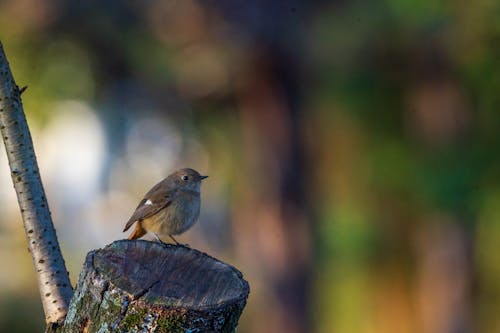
<point>138,232</point>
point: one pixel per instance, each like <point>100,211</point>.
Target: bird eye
<point>185,177</point>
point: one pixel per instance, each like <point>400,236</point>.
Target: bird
<point>169,208</point>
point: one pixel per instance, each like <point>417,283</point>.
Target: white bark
<point>53,279</point>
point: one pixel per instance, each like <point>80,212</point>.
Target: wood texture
<point>143,286</point>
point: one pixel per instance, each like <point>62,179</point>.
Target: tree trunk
<point>144,286</point>
<point>53,279</point>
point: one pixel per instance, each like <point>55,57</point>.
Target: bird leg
<point>172,237</point>
<point>159,239</point>
<point>163,243</point>
<point>176,242</point>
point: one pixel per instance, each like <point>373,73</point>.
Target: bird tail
<point>138,232</point>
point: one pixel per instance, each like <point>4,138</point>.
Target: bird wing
<point>154,201</point>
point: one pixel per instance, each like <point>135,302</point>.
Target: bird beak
<point>203,177</point>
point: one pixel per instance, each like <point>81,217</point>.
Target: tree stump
<point>144,286</point>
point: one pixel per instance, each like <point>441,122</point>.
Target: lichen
<point>104,328</point>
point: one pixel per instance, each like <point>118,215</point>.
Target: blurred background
<point>352,148</point>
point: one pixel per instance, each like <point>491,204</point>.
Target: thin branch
<point>53,279</point>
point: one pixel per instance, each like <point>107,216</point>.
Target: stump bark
<point>143,286</point>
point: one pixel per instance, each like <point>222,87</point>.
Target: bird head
<point>188,179</point>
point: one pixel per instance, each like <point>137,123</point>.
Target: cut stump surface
<point>143,286</point>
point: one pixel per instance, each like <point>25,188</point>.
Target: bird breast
<point>177,217</point>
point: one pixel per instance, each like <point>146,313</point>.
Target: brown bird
<point>171,207</point>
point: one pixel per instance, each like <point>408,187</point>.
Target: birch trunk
<point>53,279</point>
